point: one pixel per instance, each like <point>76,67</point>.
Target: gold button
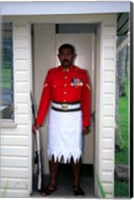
<point>64,101</point>
<point>65,92</point>
<point>65,84</point>
<point>65,77</point>
<point>66,70</point>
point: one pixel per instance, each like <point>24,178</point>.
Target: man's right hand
<point>34,127</point>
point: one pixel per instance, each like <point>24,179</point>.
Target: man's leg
<point>53,168</point>
<point>76,168</point>
<point>76,172</point>
<point>52,186</point>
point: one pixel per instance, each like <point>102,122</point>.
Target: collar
<point>67,69</point>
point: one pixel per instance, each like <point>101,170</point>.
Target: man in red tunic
<point>68,90</point>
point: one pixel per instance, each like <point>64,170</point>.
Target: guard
<point>68,90</point>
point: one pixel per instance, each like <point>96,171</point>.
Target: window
<point>6,83</point>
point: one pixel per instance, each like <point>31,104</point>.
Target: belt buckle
<point>64,106</point>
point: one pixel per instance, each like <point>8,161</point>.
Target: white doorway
<point>45,49</point>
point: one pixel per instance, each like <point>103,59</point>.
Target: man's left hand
<point>85,130</point>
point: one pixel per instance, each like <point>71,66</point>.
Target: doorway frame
<point>96,50</point>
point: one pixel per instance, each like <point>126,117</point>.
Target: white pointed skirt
<point>65,135</point>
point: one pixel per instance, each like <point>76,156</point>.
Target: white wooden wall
<point>107,105</point>
<point>16,139</point>
<point>16,142</point>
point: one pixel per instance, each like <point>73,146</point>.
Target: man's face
<point>66,57</point>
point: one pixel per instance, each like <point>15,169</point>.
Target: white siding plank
<point>107,154</point>
<point>108,121</point>
<point>22,108</point>
<point>21,41</point>
<point>107,166</point>
<point>22,97</point>
<point>107,144</point>
<point>108,99</point>
<point>108,87</point>
<point>8,172</point>
<point>22,118</point>
<point>14,193</point>
<point>22,87</point>
<point>109,64</point>
<point>14,162</point>
<point>108,187</point>
<point>14,151</point>
<point>14,140</point>
<point>109,195</point>
<point>14,183</point>
<point>108,110</point>
<point>107,177</point>
<point>107,132</point>
<point>19,131</point>
<point>109,76</point>
<point>20,30</point>
<point>21,53</point>
<point>109,52</point>
<point>21,65</point>
<point>22,76</point>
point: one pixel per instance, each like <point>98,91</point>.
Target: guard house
<point>32,33</point>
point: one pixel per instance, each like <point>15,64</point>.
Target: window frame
<point>10,122</point>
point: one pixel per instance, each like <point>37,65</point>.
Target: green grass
<point>121,189</point>
<point>121,157</point>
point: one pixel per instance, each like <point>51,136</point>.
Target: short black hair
<point>67,46</point>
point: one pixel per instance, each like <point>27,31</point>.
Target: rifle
<point>38,156</point>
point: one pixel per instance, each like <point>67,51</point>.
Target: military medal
<point>76,82</point>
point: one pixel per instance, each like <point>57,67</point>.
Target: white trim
<point>97,105</point>
<point>60,19</point>
<point>30,141</point>
<point>66,7</point>
<point>14,77</point>
<point>100,102</point>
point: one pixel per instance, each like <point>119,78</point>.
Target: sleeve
<point>86,101</point>
<point>44,101</point>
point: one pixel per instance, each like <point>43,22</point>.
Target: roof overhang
<point>63,7</point>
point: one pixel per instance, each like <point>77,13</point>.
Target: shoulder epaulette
<point>81,70</point>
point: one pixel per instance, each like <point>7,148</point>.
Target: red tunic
<point>70,85</point>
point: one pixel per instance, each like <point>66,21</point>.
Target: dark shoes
<point>52,188</point>
<point>78,191</point>
<point>48,190</point>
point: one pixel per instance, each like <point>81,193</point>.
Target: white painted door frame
<point>95,83</point>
